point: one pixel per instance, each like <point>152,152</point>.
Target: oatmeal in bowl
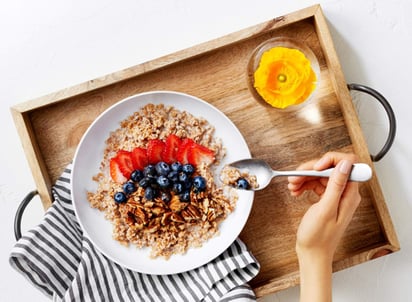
<point>156,183</point>
<point>146,188</point>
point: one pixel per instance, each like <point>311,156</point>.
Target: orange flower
<point>284,77</point>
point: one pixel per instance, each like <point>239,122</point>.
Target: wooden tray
<point>51,127</point>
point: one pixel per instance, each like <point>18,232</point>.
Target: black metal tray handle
<point>19,213</point>
<point>389,141</point>
<point>391,115</point>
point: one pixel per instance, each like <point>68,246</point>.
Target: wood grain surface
<point>51,127</point>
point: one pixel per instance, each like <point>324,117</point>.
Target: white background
<point>49,45</point>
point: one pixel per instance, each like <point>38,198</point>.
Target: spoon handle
<point>360,173</point>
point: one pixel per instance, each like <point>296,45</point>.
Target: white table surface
<point>49,45</point>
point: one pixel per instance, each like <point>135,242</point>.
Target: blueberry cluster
<point>162,180</point>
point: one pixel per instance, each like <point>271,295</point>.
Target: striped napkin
<point>60,261</point>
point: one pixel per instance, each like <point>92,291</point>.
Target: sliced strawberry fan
<point>174,148</point>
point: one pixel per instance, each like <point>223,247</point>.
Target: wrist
<point>318,255</point>
<point>315,277</point>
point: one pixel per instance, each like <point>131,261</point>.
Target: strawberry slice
<point>124,159</point>
<point>171,147</point>
<point>139,158</point>
<point>182,154</point>
<point>200,154</point>
<point>154,150</point>
<point>115,172</point>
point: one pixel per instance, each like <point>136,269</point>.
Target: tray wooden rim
<point>21,115</point>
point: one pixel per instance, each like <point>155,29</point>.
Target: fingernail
<point>345,166</point>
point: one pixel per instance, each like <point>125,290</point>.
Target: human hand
<point>324,223</point>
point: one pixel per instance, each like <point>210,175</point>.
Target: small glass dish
<point>285,42</point>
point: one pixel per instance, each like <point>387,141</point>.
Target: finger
<point>349,202</point>
<point>337,184</point>
<point>305,166</point>
<point>314,185</point>
<point>298,184</point>
<point>298,181</point>
<point>331,159</point>
<point>294,184</point>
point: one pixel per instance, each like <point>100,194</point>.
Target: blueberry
<point>162,168</point>
<point>120,197</point>
<point>242,183</point>
<point>154,184</point>
<point>199,183</point>
<point>129,188</point>
<point>188,184</point>
<point>149,171</point>
<point>165,196</point>
<point>150,193</point>
<point>188,169</point>
<point>183,177</point>
<point>176,166</point>
<point>145,182</point>
<point>173,176</point>
<point>136,175</point>
<point>163,181</point>
<point>185,196</point>
<point>177,188</point>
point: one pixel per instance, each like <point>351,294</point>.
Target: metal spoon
<point>264,173</point>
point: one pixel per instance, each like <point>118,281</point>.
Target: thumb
<point>337,182</point>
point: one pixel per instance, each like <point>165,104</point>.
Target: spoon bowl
<point>264,173</point>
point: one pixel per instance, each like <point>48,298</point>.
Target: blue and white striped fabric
<point>60,261</point>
